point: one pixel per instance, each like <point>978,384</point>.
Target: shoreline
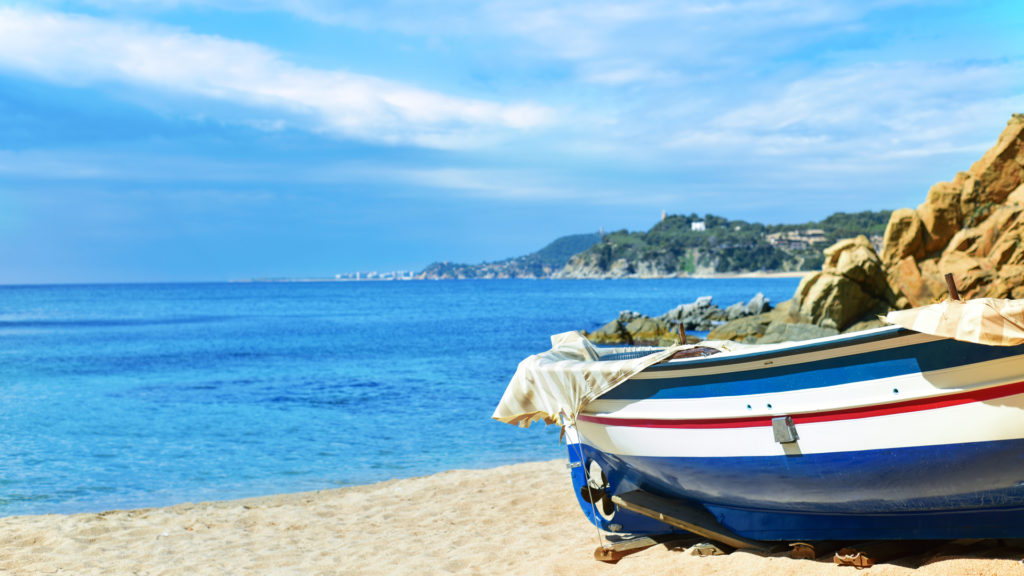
<point>727,275</point>
<point>710,276</point>
<point>514,519</point>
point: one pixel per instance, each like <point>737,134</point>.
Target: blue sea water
<point>123,396</point>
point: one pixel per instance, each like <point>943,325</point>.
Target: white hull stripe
<point>994,419</point>
<point>822,416</point>
<point>867,393</point>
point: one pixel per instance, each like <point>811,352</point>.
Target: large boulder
<point>851,285</point>
<point>940,214</point>
<point>904,236</point>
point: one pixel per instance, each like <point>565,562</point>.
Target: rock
<point>759,304</point>
<point>793,332</point>
<point>737,310</point>
<point>851,284</point>
<point>742,329</point>
<point>627,316</point>
<point>702,315</point>
<point>648,331</point>
<point>750,328</point>
<point>613,332</point>
<point>1000,170</point>
<point>903,237</point>
<point>869,322</point>
<point>905,278</point>
<point>940,213</point>
<point>620,268</point>
<point>699,315</point>
<point>971,227</point>
<point>834,301</point>
<point>856,260</point>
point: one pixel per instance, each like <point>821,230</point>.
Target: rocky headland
<point>970,227</point>
<point>691,245</point>
<point>677,246</point>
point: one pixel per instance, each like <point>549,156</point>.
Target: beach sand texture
<point>519,519</point>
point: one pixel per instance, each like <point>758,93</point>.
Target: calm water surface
<point>119,396</point>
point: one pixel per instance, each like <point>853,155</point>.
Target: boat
<point>911,431</point>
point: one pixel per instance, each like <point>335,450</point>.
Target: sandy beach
<point>519,519</point>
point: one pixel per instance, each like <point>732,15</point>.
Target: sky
<point>208,140</point>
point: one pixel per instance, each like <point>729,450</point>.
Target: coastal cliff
<point>971,227</point>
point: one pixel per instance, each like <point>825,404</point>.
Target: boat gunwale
<point>785,349</point>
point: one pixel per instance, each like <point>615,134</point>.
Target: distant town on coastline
<point>678,245</point>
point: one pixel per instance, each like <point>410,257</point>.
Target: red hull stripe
<point>827,416</point>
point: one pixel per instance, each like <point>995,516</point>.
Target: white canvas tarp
<point>567,377</point>
<point>991,321</point>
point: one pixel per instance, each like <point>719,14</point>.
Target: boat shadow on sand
<point>911,554</point>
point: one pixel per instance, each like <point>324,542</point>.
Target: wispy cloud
<point>875,111</point>
<point>612,41</point>
<point>84,50</point>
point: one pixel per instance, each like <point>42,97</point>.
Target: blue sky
<point>180,140</point>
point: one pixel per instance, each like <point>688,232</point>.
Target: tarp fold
<point>564,379</point>
<point>990,321</point>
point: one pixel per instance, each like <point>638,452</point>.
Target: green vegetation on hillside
<point>675,246</point>
<point>557,254</point>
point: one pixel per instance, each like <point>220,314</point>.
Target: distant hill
<point>684,245</point>
<point>539,264</point>
<point>679,245</point>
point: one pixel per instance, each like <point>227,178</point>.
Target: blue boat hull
<point>896,436</point>
<point>911,493</point>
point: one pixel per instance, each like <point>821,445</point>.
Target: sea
<point>142,395</point>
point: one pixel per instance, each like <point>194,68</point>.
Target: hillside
<point>539,264</point>
<point>683,245</point>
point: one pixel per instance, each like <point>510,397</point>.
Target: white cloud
<point>83,50</point>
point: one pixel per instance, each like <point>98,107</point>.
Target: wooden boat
<point>891,433</point>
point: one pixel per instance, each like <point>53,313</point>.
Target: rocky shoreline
<point>636,329</point>
<point>971,227</point>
